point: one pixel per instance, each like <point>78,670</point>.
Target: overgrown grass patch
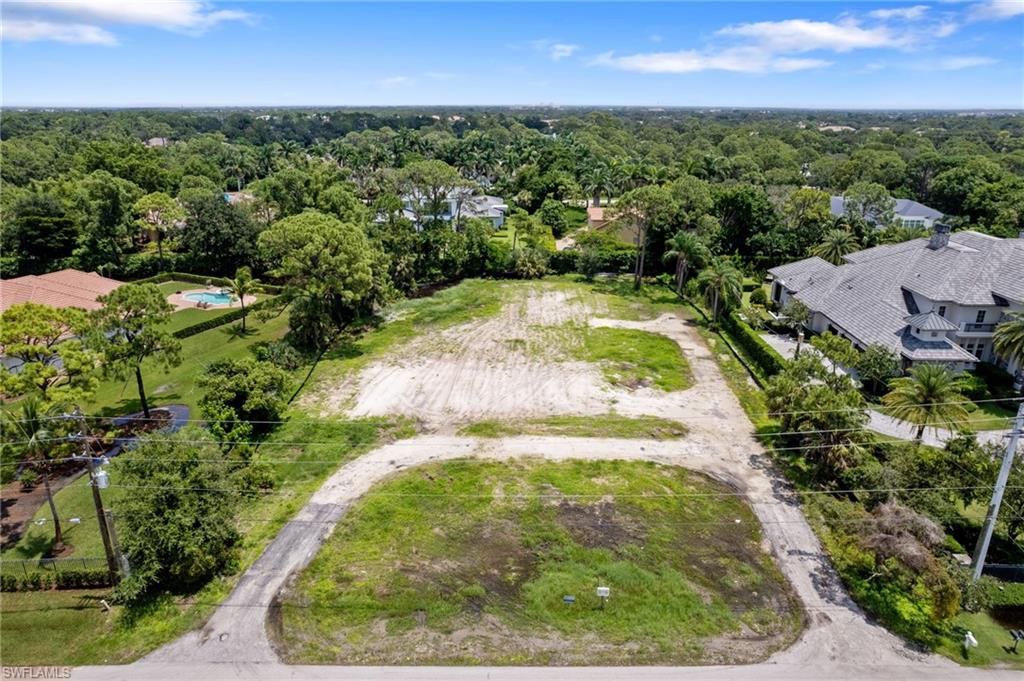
<point>605,425</point>
<point>632,358</point>
<point>470,562</point>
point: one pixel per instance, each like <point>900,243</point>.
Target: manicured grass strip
<point>605,425</point>
<point>633,358</point>
<point>178,384</point>
<point>993,641</point>
<point>448,549</point>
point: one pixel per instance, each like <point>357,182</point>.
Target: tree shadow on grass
<point>132,405</point>
<point>235,332</point>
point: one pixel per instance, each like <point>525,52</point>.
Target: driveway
<point>879,422</point>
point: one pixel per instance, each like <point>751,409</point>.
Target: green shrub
<point>201,279</point>
<point>9,583</point>
<point>1005,594</point>
<point>974,387</point>
<point>221,320</point>
<point>763,355</point>
<point>28,479</point>
<point>81,579</point>
<point>759,297</point>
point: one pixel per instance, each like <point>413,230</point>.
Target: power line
<point>709,416</point>
<point>446,495</point>
<point>476,440</point>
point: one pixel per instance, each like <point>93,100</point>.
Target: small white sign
<point>603,592</point>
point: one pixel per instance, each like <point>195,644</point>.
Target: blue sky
<point>753,54</point>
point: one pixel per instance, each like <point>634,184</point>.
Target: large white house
<point>460,206</point>
<point>907,213</point>
<point>934,299</point>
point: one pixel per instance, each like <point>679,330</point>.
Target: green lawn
<point>989,416</point>
<point>993,642</point>
<point>467,562</point>
<point>576,216</point>
<point>633,358</point>
<point>605,425</point>
<point>178,384</point>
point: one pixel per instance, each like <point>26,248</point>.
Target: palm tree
<point>685,249</point>
<point>929,396</point>
<point>33,427</point>
<point>241,286</point>
<point>836,244</point>
<point>1009,338</point>
<point>721,283</point>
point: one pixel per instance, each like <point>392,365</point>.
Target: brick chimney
<point>940,236</point>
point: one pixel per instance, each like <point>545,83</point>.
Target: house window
<point>981,349</point>
<point>980,318</point>
<point>934,334</point>
<point>942,310</point>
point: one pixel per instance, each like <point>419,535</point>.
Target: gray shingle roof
<point>906,208</point>
<point>942,350</point>
<point>865,296</point>
<point>929,321</point>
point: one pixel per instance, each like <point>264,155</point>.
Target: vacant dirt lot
<point>474,371</point>
<point>513,364</point>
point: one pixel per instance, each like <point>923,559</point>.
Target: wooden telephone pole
<point>97,500</point>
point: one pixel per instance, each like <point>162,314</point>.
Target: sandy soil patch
<point>507,366</point>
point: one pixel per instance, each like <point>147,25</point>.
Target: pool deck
<point>179,301</point>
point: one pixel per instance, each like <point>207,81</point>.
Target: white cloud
<point>394,81</point>
<point>741,60</point>
<point>945,29</point>
<point>29,30</point>
<point>562,50</point>
<point>555,50</point>
<point>440,75</point>
<point>655,38</point>
<point>957,63</point>
<point>84,21</point>
<point>802,35</point>
<point>905,13</point>
<point>996,10</point>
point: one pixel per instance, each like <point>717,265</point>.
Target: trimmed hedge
<point>221,320</point>
<point>767,359</point>
<point>1006,594</point>
<point>65,579</point>
<point>199,279</point>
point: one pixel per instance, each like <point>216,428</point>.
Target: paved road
<point>759,672</point>
<point>936,437</point>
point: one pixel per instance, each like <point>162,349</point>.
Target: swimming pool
<point>210,298</point>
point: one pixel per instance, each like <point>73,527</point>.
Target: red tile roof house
<point>66,288</point>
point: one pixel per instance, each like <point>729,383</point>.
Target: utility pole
<point>997,494</point>
<point>101,516</point>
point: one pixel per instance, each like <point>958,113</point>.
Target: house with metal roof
<point>908,213</point>
<point>936,299</point>
<point>459,205</point>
